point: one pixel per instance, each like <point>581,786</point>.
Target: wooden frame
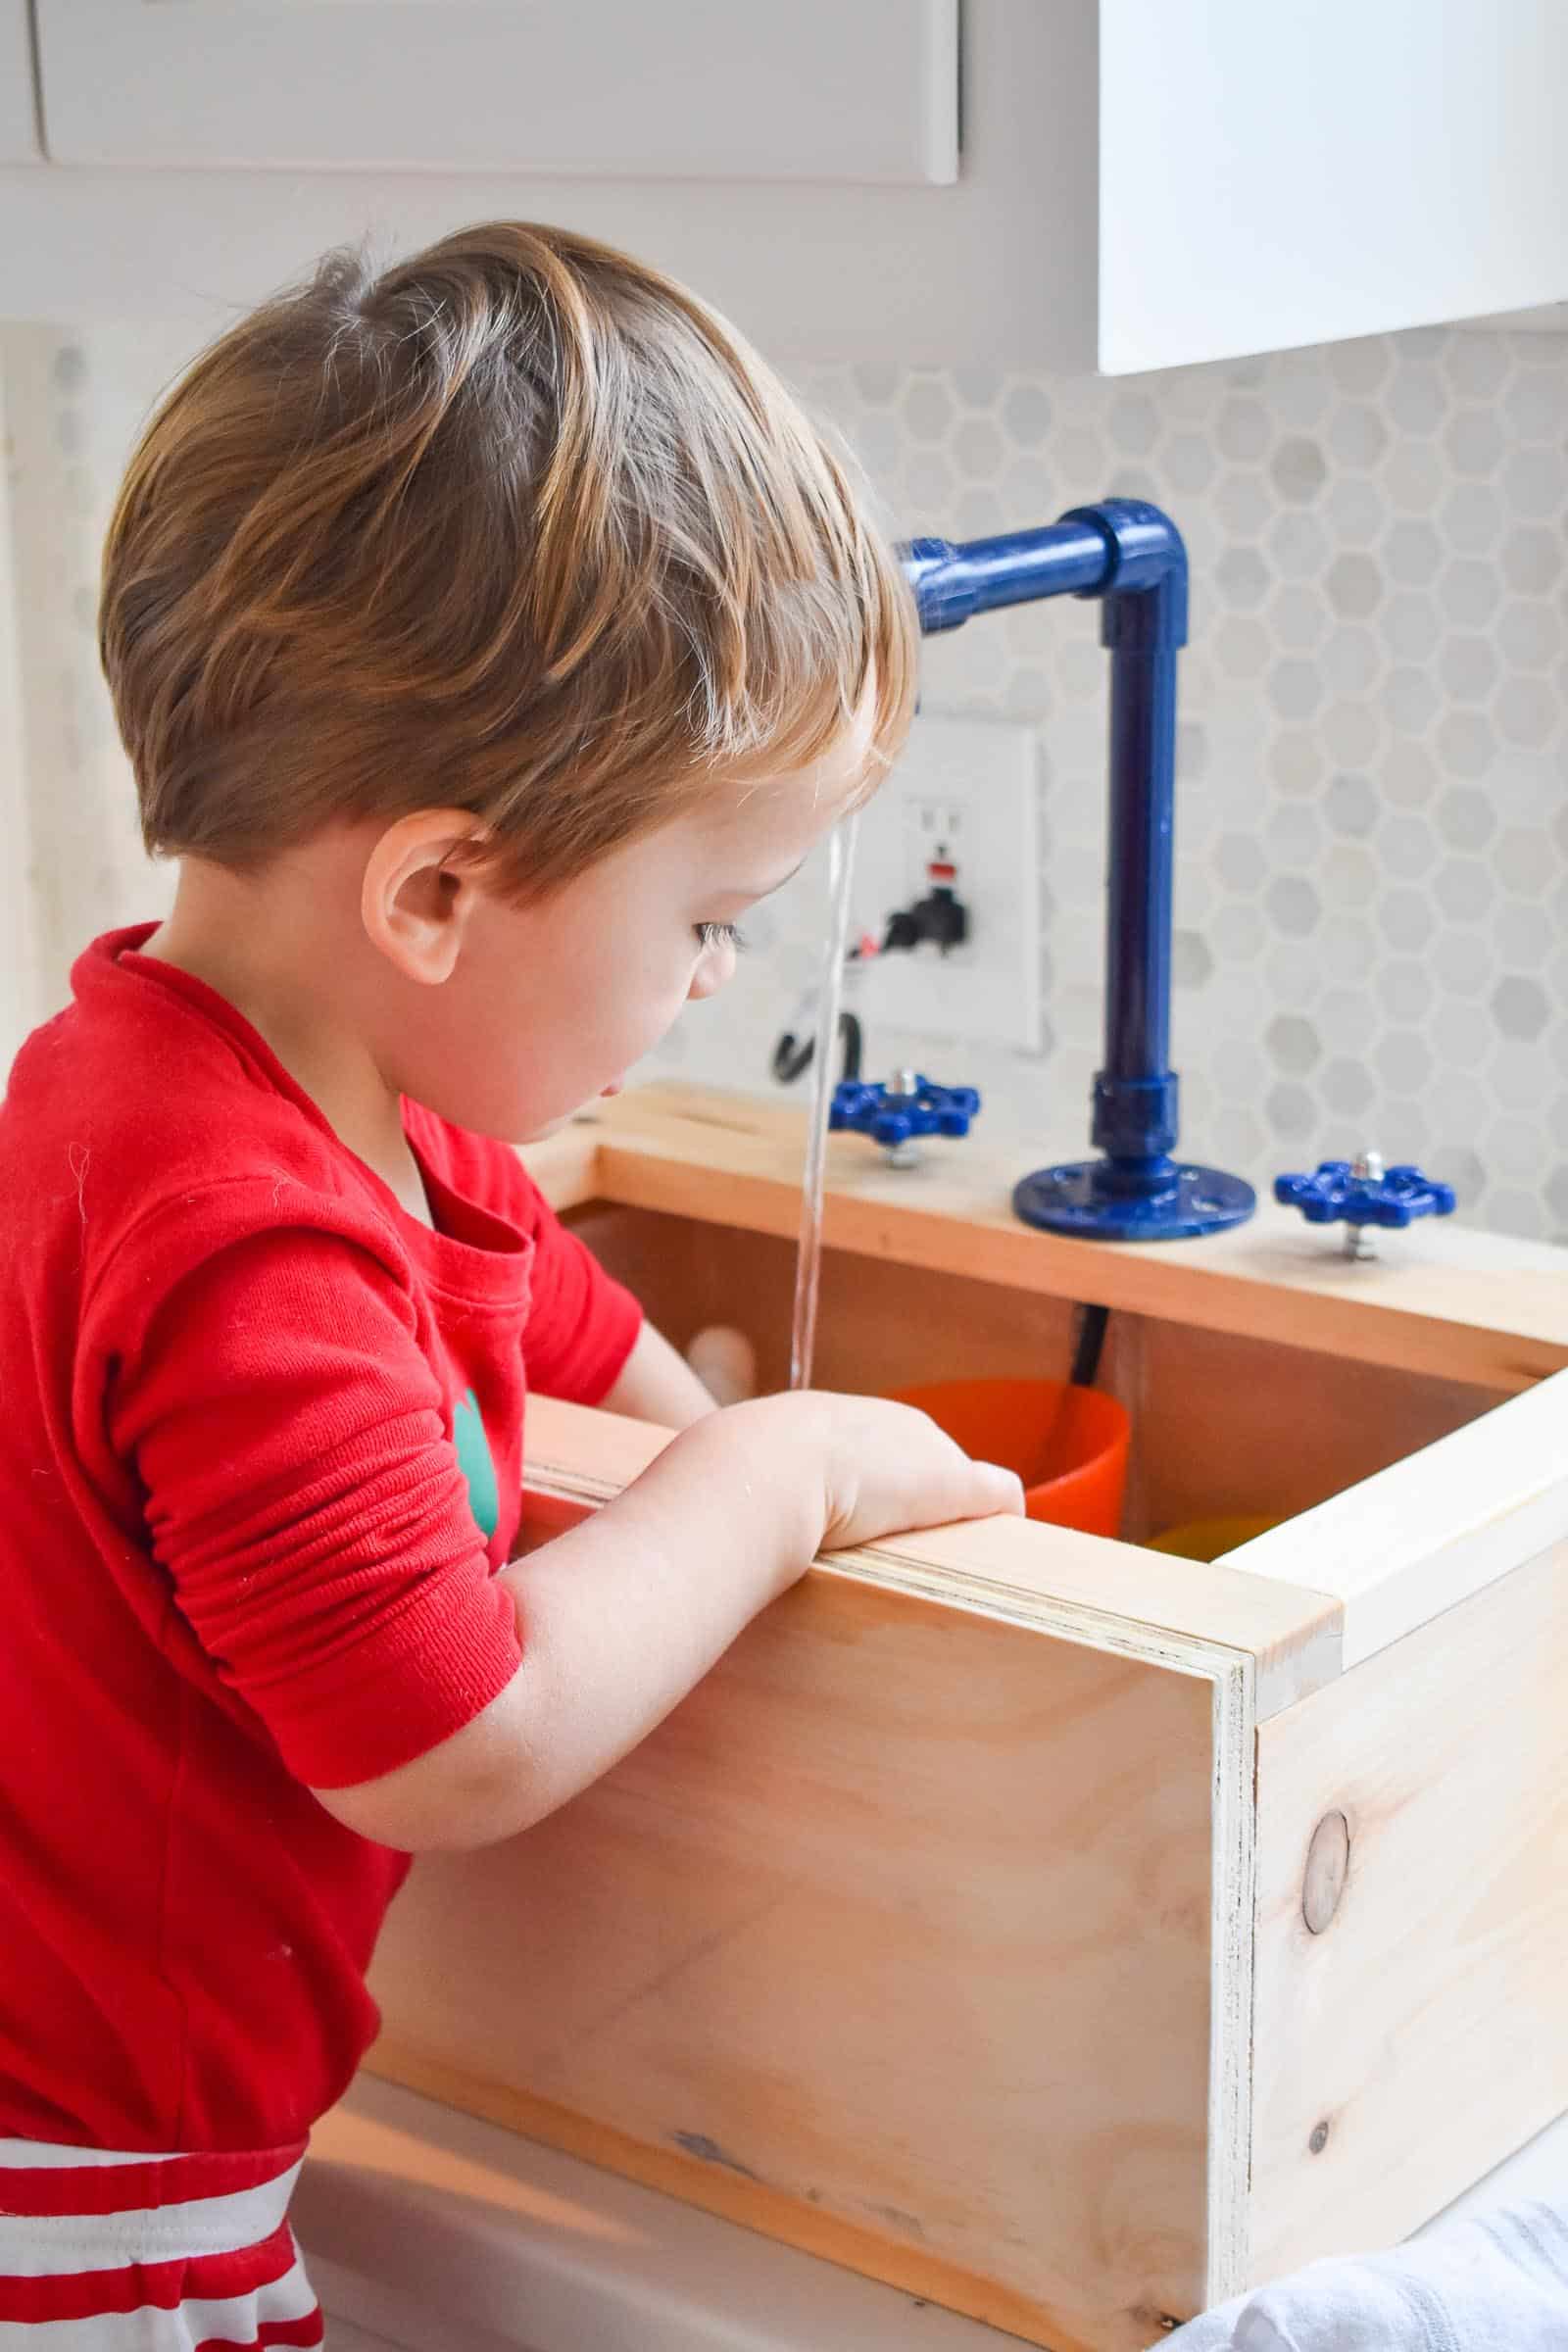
<point>1063,1931</point>
<point>1459,1304</point>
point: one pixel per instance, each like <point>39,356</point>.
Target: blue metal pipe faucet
<point>1131,555</point>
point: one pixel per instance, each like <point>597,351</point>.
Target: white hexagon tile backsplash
<point>1372,822</point>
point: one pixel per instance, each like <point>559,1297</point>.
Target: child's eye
<point>720,935</point>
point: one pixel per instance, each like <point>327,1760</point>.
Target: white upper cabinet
<point>1279,172</point>
<point>18,133</point>
<point>621,89</point>
<point>1141,182</point>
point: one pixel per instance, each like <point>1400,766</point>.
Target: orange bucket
<point>1068,1445</point>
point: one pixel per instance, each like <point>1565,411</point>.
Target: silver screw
<point>908,1154</point>
<point>1360,1240</point>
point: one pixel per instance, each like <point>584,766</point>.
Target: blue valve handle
<point>895,1118</point>
<point>1336,1195</point>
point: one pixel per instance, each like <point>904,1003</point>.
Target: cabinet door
<point>683,89</point>
<point>17,136</point>
<point>1285,171</point>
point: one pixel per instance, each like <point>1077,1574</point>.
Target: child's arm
<point>621,1617</point>
<point>656,1384</point>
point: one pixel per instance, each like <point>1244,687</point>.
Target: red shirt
<point>260,1459</point>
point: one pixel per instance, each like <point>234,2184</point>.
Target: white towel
<point>1490,2282</point>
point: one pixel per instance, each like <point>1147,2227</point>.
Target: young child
<point>486,637</point>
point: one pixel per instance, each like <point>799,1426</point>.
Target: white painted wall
<point>17,131</point>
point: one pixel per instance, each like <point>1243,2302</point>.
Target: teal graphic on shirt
<point>477,1464</point>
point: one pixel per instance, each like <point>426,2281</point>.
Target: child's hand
<point>890,1468</point>
<point>886,1468</point>
<point>853,1468</point>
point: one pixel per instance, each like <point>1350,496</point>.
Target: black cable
<point>1089,1345</point>
<point>793,1056</point>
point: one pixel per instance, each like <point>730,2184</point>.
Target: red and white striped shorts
<point>108,2253</point>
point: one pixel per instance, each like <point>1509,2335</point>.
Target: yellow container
<point>1209,1538</point>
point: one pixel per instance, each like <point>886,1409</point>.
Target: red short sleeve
<point>307,1503</point>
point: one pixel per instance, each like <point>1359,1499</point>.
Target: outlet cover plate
<point>972,784</point>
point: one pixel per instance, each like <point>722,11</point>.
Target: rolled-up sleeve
<point>305,1499</point>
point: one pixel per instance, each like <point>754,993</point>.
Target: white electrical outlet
<point>966,788</point>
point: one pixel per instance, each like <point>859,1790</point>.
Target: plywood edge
<point>1454,1302</point>
<point>1183,1614</point>
<point>708,2184</point>
<point>1434,1529</point>
<point>1233,1945</point>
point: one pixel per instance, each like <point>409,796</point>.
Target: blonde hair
<point>518,526</point>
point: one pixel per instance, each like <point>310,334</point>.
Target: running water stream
<point>824,1076</point>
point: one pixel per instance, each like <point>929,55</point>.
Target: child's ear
<point>419,892</point>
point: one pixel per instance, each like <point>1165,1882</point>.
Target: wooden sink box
<point>1067,1932</point>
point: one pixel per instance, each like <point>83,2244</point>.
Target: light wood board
<point>879,1326</point>
<point>827,1952</point>
<point>1423,2034</point>
<point>1443,1299</point>
<point>1435,1527</point>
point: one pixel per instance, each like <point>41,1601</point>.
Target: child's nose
<point>715,968</point>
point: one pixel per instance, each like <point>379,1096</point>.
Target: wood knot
<point>1328,1866</point>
